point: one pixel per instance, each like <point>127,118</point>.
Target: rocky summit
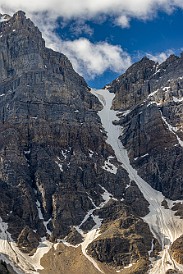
<point>65,192</point>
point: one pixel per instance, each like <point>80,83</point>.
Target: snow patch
<point>39,210</point>
<point>152,248</point>
<point>46,226</point>
<point>91,153</point>
<point>108,166</point>
<point>107,87</point>
<point>59,164</point>
<point>27,151</point>
<point>141,156</point>
<point>166,88</point>
<point>156,69</point>
<point>172,129</point>
<point>151,103</point>
<point>127,186</point>
<point>64,154</point>
<point>106,196</point>
<point>177,100</point>
<point>128,266</point>
<point>4,18</point>
<point>152,93</point>
<point>126,112</point>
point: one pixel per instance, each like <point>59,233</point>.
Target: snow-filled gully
<point>165,226</point>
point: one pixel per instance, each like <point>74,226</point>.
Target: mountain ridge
<point>60,179</point>
<point>153,104</point>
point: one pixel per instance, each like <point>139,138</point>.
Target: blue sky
<point>162,34</point>
<point>103,38</point>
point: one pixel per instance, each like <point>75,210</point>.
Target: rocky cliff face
<point>49,130</point>
<point>56,168</point>
<point>149,98</point>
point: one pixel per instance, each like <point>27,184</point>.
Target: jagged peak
<point>19,15</point>
<point>145,58</point>
<point>170,60</point>
<point>17,22</point>
<point>172,57</point>
<point>4,17</point>
<point>145,61</point>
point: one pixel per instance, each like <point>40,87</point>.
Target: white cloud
<point>88,58</point>
<point>160,57</point>
<point>79,27</point>
<point>123,21</point>
<point>91,59</point>
<point>92,8</point>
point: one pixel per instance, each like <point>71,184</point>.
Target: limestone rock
<point>177,250</point>
<point>28,240</point>
<point>74,237</point>
<point>123,242</point>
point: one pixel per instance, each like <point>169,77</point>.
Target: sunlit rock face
<point>177,250</point>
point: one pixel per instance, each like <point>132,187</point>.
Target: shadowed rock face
<point>150,99</point>
<point>52,145</point>
<point>6,269</point>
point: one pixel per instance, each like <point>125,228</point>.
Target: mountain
<point>68,181</point>
<point>150,97</point>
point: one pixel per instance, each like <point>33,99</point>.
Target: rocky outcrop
<point>28,240</point>
<point>149,98</point>
<point>178,208</point>
<point>125,241</point>
<point>6,269</point>
<point>176,250</point>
